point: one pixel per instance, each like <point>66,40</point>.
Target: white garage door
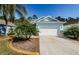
<point>48,32</point>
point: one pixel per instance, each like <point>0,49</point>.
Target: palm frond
<point>22,9</point>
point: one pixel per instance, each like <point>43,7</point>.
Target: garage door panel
<point>48,26</point>
<point>48,32</point>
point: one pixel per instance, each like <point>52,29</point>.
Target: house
<point>49,25</point>
<point>3,29</point>
<point>71,23</point>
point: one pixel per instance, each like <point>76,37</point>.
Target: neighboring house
<point>49,25</point>
<point>72,24</point>
<point>3,27</point>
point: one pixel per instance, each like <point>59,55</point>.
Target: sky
<point>63,10</point>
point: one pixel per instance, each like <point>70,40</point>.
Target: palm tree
<point>8,12</point>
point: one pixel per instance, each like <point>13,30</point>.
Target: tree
<point>34,17</point>
<point>24,20</point>
<point>1,17</point>
<point>21,21</point>
<point>71,20</point>
<point>29,18</point>
<point>8,12</point>
<point>61,19</point>
<point>77,18</point>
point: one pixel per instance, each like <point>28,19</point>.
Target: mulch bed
<point>30,45</point>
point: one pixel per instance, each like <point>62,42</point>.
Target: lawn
<point>5,50</point>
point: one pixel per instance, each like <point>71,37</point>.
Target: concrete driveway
<point>50,45</point>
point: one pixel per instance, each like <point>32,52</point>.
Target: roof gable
<point>47,19</point>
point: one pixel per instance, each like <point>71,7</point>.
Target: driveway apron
<point>51,45</point>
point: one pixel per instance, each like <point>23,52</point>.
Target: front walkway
<point>50,45</point>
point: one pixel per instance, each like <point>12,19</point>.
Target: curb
<point>22,51</point>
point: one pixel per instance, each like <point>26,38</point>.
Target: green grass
<point>5,50</point>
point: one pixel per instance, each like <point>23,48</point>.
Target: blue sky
<point>63,10</point>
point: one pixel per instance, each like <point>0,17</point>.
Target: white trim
<point>40,20</point>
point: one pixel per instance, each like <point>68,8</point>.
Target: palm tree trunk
<point>6,27</point>
<point>6,23</point>
<point>5,15</point>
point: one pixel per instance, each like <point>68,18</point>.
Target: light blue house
<point>49,25</point>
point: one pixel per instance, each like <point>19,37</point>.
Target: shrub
<point>11,31</point>
<point>25,31</point>
<point>34,30</point>
<point>72,32</point>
